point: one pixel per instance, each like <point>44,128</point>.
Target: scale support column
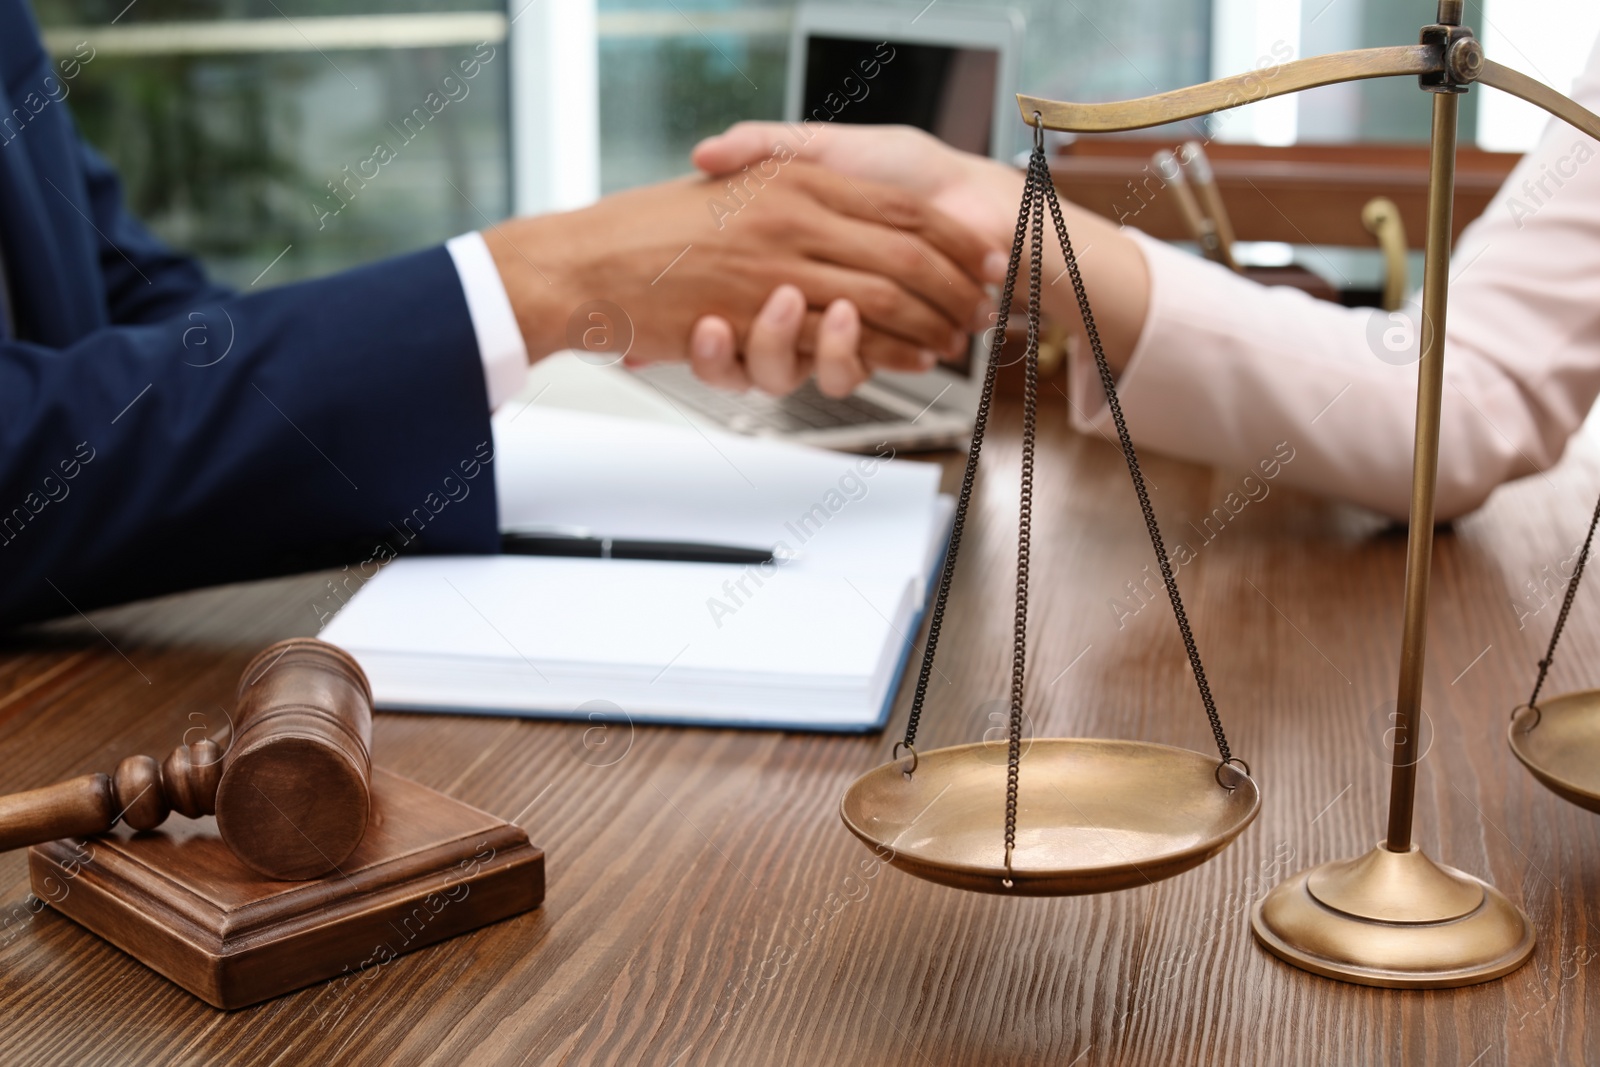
<point>1393,917</point>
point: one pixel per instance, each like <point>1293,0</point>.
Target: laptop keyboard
<point>807,408</point>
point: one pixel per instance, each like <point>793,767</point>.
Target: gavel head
<point>295,789</point>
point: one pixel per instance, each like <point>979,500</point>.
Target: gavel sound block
<point>229,907</point>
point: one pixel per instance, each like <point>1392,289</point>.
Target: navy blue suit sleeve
<point>343,419</point>
<point>76,258</point>
<point>145,279</point>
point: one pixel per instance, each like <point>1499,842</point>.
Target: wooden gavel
<point>291,793</point>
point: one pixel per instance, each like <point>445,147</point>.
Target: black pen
<point>543,543</point>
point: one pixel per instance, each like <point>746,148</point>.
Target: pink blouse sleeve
<point>1233,373</point>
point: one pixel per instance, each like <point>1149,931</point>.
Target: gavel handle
<point>78,806</point>
<point>141,793</point>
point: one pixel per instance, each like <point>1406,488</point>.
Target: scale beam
<point>1236,91</point>
<point>1539,94</point>
<point>1119,116</point>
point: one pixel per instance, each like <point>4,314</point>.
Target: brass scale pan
<point>1097,815</point>
<point>1559,740</point>
<point>1093,815</point>
<point>1088,815</point>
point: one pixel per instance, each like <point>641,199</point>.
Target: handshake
<point>833,251</point>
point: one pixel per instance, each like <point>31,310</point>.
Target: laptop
<point>945,69</point>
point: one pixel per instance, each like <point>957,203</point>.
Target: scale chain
<point>1109,384</point>
<point>1566,607</point>
<point>1038,190</point>
<point>1038,177</point>
<point>980,424</point>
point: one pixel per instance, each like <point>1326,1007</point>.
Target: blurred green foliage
<point>101,12</point>
<point>199,144</point>
<point>659,96</point>
<point>230,156</point>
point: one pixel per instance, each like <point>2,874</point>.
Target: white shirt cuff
<point>500,344</point>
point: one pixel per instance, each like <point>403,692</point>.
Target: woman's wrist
<point>1114,270</point>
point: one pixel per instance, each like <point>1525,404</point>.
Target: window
<point>282,139</point>
<point>290,137</point>
<point>298,137</point>
<point>674,71</point>
<point>1550,41</point>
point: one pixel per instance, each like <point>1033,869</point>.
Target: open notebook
<point>817,642</point>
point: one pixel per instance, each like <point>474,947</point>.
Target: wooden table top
<point>706,905</point>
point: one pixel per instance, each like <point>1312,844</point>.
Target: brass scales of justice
<point>1096,815</point>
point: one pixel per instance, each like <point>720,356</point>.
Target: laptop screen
<point>948,91</point>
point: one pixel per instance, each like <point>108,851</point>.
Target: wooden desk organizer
<point>178,900</point>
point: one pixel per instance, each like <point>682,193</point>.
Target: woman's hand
<point>977,192</point>
<point>980,193</point>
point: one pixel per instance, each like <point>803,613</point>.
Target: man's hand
<point>811,245</point>
<point>784,347</point>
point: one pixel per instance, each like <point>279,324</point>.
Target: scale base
<point>1394,919</point>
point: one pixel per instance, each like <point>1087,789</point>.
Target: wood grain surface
<point>706,906</point>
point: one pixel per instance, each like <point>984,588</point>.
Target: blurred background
<point>241,126</point>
